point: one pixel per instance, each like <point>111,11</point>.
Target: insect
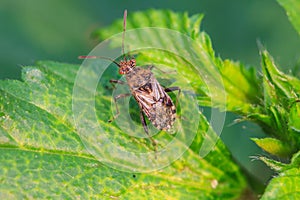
<point>152,98</point>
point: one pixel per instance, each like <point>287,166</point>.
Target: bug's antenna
<point>101,57</point>
<point>124,29</point>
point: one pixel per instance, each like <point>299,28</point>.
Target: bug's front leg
<point>113,82</point>
<point>146,129</point>
<point>117,109</point>
<point>171,89</point>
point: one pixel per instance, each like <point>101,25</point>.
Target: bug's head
<point>126,66</point>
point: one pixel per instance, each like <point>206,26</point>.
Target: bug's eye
<point>121,71</point>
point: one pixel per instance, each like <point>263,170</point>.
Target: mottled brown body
<point>151,97</point>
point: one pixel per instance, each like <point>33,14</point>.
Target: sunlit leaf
<point>285,186</point>
<point>274,146</point>
<point>42,154</point>
<point>294,116</point>
<point>281,95</point>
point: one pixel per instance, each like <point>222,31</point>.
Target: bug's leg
<point>117,109</point>
<point>116,81</point>
<point>170,89</point>
<point>113,82</point>
<point>146,129</point>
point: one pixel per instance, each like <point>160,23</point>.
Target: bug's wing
<point>156,104</point>
<point>145,102</point>
<point>161,95</point>
<point>148,96</point>
<point>157,90</point>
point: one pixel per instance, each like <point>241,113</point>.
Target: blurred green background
<point>60,30</point>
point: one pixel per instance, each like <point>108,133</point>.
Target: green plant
<point>43,156</point>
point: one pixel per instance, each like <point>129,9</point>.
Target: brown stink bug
<point>152,98</point>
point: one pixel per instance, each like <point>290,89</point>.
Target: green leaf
<point>294,116</point>
<point>43,154</point>
<point>46,153</point>
<point>295,161</point>
<point>244,92</point>
<point>274,146</point>
<point>55,135</point>
<point>285,186</point>
<point>292,8</point>
<point>275,165</point>
<point>36,174</point>
<point>279,87</point>
<point>281,95</point>
<point>279,166</point>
